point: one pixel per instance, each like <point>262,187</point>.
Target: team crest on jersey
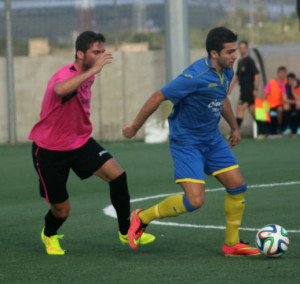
<point>215,107</point>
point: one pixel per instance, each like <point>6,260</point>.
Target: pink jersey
<point>280,85</point>
<point>64,122</point>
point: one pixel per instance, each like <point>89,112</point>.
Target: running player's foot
<point>136,229</point>
<point>144,240</point>
<point>52,244</point>
<point>241,249</point>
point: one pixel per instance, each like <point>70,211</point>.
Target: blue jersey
<point>198,95</point>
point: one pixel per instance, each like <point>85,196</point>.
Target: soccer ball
<point>272,240</point>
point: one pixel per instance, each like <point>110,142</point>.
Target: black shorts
<point>246,96</point>
<point>53,167</point>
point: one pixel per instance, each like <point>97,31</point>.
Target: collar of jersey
<point>208,63</point>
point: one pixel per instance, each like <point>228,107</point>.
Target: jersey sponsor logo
<point>211,85</point>
<point>215,107</point>
<point>188,76</point>
<point>102,153</point>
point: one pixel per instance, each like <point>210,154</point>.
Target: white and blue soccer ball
<point>272,240</point>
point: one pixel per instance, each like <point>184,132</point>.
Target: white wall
<point>119,91</point>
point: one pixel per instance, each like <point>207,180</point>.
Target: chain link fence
<point>55,23</point>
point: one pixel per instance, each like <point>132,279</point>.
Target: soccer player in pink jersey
<point>62,141</point>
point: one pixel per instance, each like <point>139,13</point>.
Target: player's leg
<point>241,107</point>
<point>116,177</point>
<point>222,164</point>
<point>279,118</point>
<point>286,119</point>
<point>234,206</point>
<point>120,199</point>
<point>234,203</point>
<point>176,205</point>
<point>95,160</point>
<point>252,110</point>
<point>56,216</point>
<point>53,171</point>
<point>171,206</point>
<point>189,174</point>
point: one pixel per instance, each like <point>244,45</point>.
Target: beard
<point>224,63</point>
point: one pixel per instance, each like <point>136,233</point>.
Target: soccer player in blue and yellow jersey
<point>199,96</point>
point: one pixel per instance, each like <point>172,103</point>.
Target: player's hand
<point>234,138</point>
<point>102,60</point>
<point>129,131</point>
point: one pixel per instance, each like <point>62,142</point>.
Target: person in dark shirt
<point>248,77</point>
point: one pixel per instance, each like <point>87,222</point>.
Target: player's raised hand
<point>129,131</point>
<point>102,60</point>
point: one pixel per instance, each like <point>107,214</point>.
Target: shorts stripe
<point>189,180</point>
<point>40,174</point>
<point>225,170</point>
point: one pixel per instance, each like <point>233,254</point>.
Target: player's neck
<point>215,64</point>
<point>79,66</point>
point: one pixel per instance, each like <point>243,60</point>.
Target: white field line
<point>110,211</point>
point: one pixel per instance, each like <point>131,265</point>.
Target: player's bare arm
<point>233,82</point>
<point>256,84</point>
<point>228,115</point>
<point>68,86</point>
<point>149,107</point>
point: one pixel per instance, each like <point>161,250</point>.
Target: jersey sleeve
<point>180,87</point>
<point>65,73</point>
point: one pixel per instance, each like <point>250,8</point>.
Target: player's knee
<point>61,212</point>
<point>237,190</point>
<point>196,202</point>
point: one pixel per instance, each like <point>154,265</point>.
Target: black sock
<point>261,127</point>
<point>239,121</point>
<point>120,199</point>
<point>52,224</point>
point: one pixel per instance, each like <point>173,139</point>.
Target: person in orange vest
<point>291,107</point>
<point>273,93</point>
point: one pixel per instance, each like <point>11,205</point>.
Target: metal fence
<point>123,21</point>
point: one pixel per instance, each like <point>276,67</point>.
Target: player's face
<point>291,81</point>
<point>243,49</point>
<point>92,54</point>
<point>281,75</point>
<point>227,56</point>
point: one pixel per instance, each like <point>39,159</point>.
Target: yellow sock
<point>172,206</point>
<point>234,209</point>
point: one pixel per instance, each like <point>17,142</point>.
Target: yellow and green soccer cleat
<point>52,244</point>
<point>144,240</point>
